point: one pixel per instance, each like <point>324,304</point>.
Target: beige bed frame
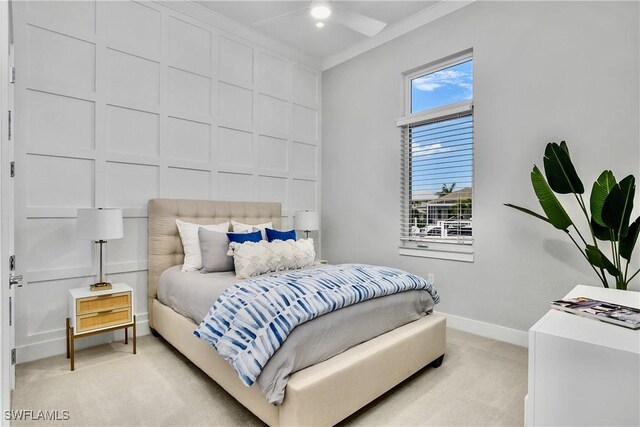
<point>319,395</point>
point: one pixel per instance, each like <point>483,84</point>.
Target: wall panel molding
<point>229,26</point>
<point>89,271</point>
<point>149,102</point>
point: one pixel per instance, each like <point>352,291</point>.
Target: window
<point>437,161</point>
<point>442,87</point>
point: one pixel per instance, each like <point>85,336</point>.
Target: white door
<point>7,278</point>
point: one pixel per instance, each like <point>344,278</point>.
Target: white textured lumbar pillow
<point>254,258</point>
<point>191,243</point>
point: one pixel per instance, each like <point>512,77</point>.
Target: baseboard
<point>56,346</point>
<point>489,330</point>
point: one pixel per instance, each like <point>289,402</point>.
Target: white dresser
<point>584,371</point>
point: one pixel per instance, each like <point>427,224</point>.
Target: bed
<point>322,394</point>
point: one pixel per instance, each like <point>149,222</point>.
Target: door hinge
<point>12,262</point>
<point>13,169</point>
<point>13,356</point>
<point>12,74</point>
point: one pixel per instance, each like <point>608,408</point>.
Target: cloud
<point>436,80</point>
<point>429,149</point>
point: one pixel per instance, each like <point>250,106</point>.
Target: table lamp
<point>307,221</point>
<point>100,225</point>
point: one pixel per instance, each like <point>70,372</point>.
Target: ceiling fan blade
<point>357,22</point>
<point>282,15</point>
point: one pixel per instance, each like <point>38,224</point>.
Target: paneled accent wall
<point>120,102</point>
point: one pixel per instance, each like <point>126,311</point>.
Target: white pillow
<point>239,227</point>
<point>254,258</point>
<point>191,244</point>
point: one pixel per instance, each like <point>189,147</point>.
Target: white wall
<point>543,71</point>
<point>120,102</point>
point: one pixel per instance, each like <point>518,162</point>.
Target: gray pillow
<point>214,246</point>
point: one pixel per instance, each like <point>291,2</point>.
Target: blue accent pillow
<point>280,235</point>
<point>255,236</point>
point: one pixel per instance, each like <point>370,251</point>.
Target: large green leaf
<point>528,211</point>
<point>601,188</point>
<point>628,242</point>
<point>601,233</point>
<point>565,148</point>
<point>560,172</point>
<point>618,205</point>
<point>556,214</point>
<point>598,259</point>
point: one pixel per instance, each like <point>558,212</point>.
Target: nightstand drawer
<point>99,304</point>
<point>89,322</point>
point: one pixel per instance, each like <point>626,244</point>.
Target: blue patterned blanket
<point>251,319</point>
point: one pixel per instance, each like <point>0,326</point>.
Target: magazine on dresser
<point>628,317</point>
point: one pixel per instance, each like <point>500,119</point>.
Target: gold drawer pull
<point>105,311</point>
<point>119,294</point>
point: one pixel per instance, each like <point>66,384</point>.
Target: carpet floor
<point>482,382</point>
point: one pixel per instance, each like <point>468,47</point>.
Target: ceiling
<point>280,21</point>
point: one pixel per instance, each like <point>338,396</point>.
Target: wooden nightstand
<point>95,312</point>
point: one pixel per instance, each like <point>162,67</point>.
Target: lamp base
<point>102,286</point>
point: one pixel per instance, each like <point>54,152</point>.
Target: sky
<point>433,144</point>
<point>453,84</point>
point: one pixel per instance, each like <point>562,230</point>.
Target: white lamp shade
<point>307,221</point>
<point>100,224</point>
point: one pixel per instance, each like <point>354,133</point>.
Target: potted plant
<point>608,214</point>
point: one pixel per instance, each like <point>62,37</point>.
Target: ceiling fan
<point>321,10</point>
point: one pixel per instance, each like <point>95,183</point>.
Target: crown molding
<point>221,22</point>
<point>208,16</point>
<point>421,18</point>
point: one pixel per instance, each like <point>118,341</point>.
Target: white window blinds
<point>437,177</point>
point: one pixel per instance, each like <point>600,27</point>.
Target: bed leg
<point>436,363</point>
<point>154,332</point>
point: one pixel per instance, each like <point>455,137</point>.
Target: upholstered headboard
<point>165,247</point>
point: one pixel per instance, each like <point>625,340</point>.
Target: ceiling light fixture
<point>320,9</point>
<point>319,24</point>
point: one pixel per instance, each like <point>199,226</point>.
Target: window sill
<point>463,254</point>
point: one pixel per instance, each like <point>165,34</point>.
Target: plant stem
<point>584,210</point>
<point>579,234</point>
<point>634,275</point>
<point>602,278</point>
<point>605,281</point>
<point>593,236</point>
<point>586,215</point>
<point>614,251</point>
<point>626,271</point>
